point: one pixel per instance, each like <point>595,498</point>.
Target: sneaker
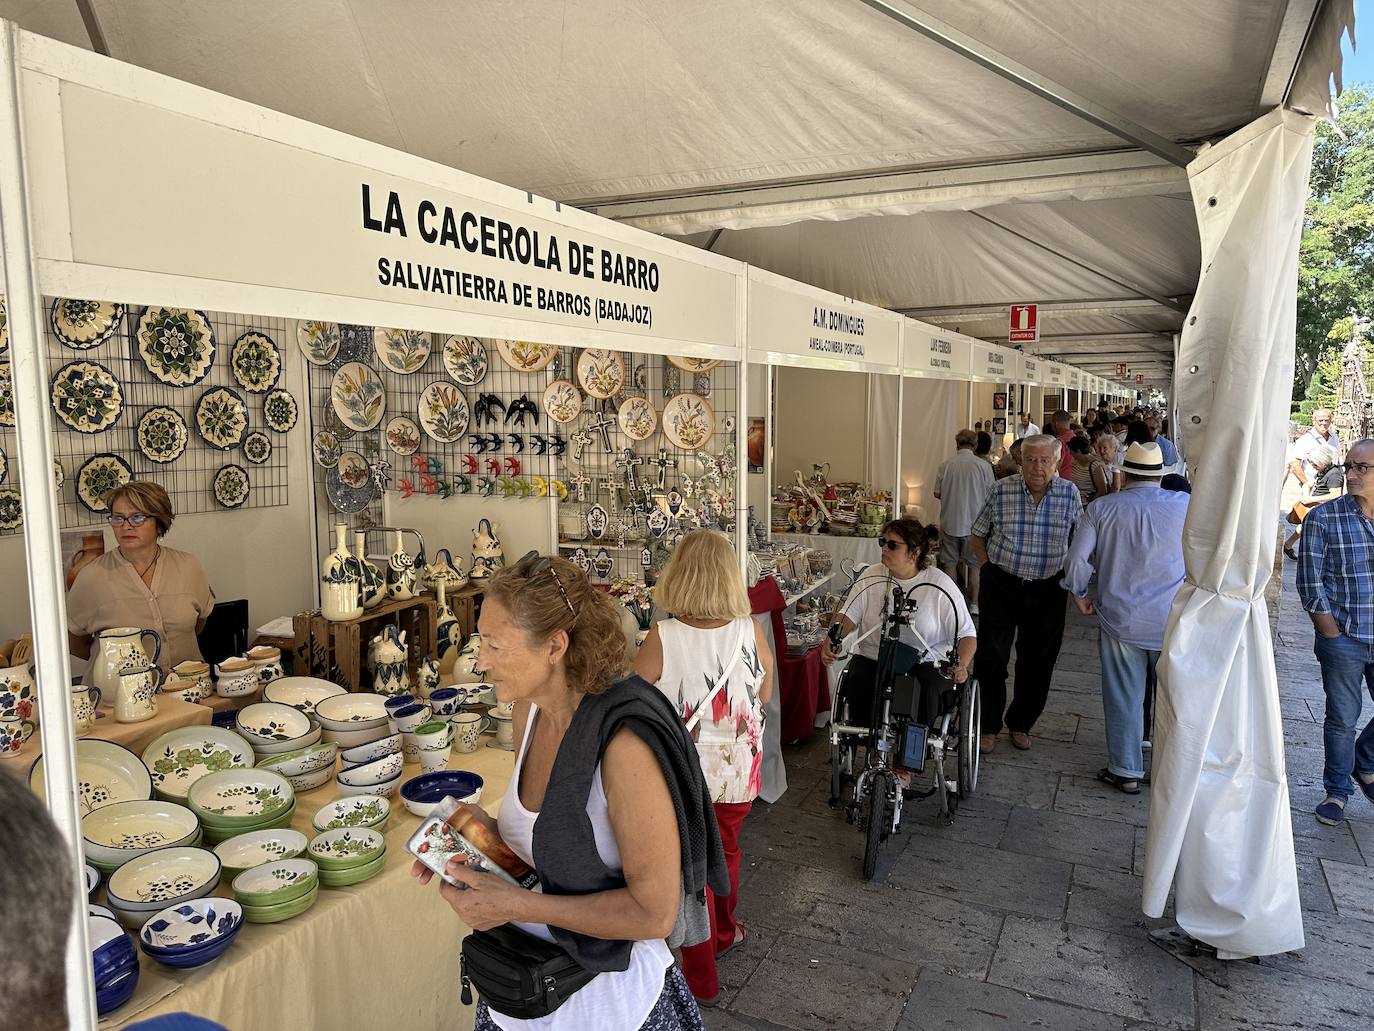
<point>1331,812</point>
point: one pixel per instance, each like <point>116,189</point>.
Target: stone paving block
<point>838,990</point>
<point>1073,839</point>
<point>734,969</point>
<point>979,821</point>
<point>1337,949</point>
<point>800,783</point>
<point>1311,838</point>
<point>1263,999</point>
<point>1051,756</point>
<point>723,1020</point>
<point>1019,785</point>
<point>1313,891</point>
<point>822,840</point>
<point>1362,831</point>
<point>1125,975</point>
<point>1088,796</point>
<point>781,895</point>
<point>1057,726</point>
<point>1352,888</point>
<point>1110,901</point>
<point>1294,708</point>
<point>1302,733</point>
<point>941,1002</point>
<point>984,877</point>
<point>1138,853</point>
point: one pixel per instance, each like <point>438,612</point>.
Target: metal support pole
<point>768,403</point>
<point>898,503</point>
<point>742,431</point>
<point>42,551</point>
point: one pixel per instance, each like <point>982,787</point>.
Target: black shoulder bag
<point>517,974</point>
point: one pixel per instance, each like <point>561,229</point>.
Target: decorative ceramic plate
<point>444,412</point>
<point>257,447</point>
<point>4,464</point>
<point>136,827</point>
<point>601,373</point>
<point>689,421</point>
<point>272,721</point>
<point>176,344</point>
<point>344,498</point>
<point>84,325</point>
<point>222,418</point>
<point>403,435</point>
<point>359,395</point>
<point>329,420</point>
<point>465,359</point>
<point>239,793</point>
<point>6,395</point>
<point>562,401</point>
<point>318,341</point>
<point>526,357</point>
<point>59,473</point>
<point>270,878</point>
<point>301,693</point>
<point>86,396</point>
<point>181,757</point>
<point>99,475</point>
<point>355,344</point>
<point>195,924</point>
<point>347,845</point>
<point>162,434</point>
<point>689,364</point>
<point>638,418</point>
<point>105,773</point>
<point>326,447</point>
<point>401,350</point>
<point>230,486</point>
<point>279,410</point>
<point>255,362</point>
<point>11,510</point>
<point>354,470</point>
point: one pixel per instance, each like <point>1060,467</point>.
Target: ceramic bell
<point>339,581</point>
<point>487,556</point>
<point>449,632</point>
<point>389,673</point>
<point>371,580</point>
<point>443,570</point>
<point>400,571</point>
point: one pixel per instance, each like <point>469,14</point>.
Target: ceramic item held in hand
<point>236,677</point>
<point>400,571</point>
<point>84,702</point>
<point>118,649</point>
<point>339,581</point>
<point>135,696</point>
<point>371,579</point>
<point>268,662</point>
<point>487,556</point>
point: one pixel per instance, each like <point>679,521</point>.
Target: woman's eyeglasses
<point>137,519</point>
<point>542,563</point>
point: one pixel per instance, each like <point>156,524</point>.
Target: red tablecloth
<point>803,688</point>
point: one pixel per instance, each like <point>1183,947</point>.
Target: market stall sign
<point>1139,379</point>
<point>1056,374</point>
<point>1029,369</point>
<point>791,321</point>
<point>1074,379</point>
<point>993,362</point>
<point>935,354</point>
<point>1023,324</point>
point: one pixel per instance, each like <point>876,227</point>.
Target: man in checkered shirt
<point>1022,538</point>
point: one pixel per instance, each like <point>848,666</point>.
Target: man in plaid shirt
<point>1022,538</point>
<point>1336,585</point>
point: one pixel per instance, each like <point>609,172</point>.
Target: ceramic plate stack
<point>165,877</point>
<point>378,777</point>
<point>119,833</point>
<point>192,934</point>
<point>277,891</point>
<point>275,729</point>
<point>369,811</point>
<point>352,719</point>
<point>114,961</point>
<point>348,855</point>
<point>245,851</point>
<point>180,757</point>
<point>237,801</point>
<point>305,768</point>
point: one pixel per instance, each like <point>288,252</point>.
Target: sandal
<point>743,937</point>
<point>1126,785</point>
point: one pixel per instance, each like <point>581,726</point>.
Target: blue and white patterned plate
<point>279,410</point>
<point>11,510</point>
<point>231,486</point>
<point>344,498</point>
<point>255,362</point>
<point>162,434</point>
<point>84,325</point>
<point>222,418</point>
<point>6,395</point>
<point>257,447</point>
<point>99,475</point>
<point>176,344</point>
<point>86,396</point>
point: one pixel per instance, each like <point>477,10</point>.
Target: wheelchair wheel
<point>970,713</point>
<point>878,813</point>
<point>843,750</point>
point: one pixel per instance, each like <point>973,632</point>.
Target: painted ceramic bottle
<point>400,571</point>
<point>339,581</point>
<point>371,581</point>
<point>487,556</point>
<point>389,673</point>
<point>465,669</point>
<point>428,677</point>
<point>449,632</point>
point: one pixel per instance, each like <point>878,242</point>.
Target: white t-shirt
<point>1309,442</point>
<point>962,485</point>
<point>935,619</point>
<point>1029,430</point>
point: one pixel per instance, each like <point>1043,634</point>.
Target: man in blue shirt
<point>1165,444</point>
<point>1336,585</point>
<point>1134,541</point>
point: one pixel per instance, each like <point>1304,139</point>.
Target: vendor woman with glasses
<point>142,583</point>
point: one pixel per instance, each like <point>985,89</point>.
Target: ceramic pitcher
<point>84,701</point>
<point>371,579</point>
<point>118,649</point>
<point>13,733</point>
<point>428,677</point>
<point>135,699</point>
<point>16,692</point>
<point>449,632</point>
<point>400,570</point>
<point>487,556</point>
<point>339,581</point>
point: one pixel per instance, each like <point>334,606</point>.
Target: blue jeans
<point>1345,663</point>
<point>1124,671</point>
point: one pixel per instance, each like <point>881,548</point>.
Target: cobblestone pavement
<point>1025,912</point>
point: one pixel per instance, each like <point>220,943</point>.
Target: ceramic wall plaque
<point>689,421</point>
<point>162,434</point>
<point>86,396</point>
<point>176,344</point>
<point>401,350</point>
<point>601,373</point>
<point>523,356</point>
<point>11,510</point>
<point>222,418</point>
<point>465,359</point>
<point>6,395</point>
<point>562,401</point>
<point>84,325</point>
<point>637,418</point>
<point>689,364</point>
<point>279,410</point>
<point>230,486</point>
<point>327,450</point>
<point>255,362</point>
<point>358,395</point>
<point>257,447</point>
<point>444,412</point>
<point>403,435</point>
<point>353,469</point>
<point>318,341</point>
<point>99,475</point>
<point>582,560</point>
<point>597,522</point>
<point>603,564</point>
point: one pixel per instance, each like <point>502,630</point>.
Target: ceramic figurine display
<point>389,673</point>
<point>371,580</point>
<point>400,571</point>
<point>487,556</point>
<point>339,581</point>
<point>450,634</point>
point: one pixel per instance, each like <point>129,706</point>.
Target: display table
<point>854,550</point>
<point>380,954</point>
<point>805,692</point>
<point>171,714</point>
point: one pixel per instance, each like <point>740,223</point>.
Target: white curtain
<point>881,457</point>
<point>932,412</point>
<point>1220,827</point>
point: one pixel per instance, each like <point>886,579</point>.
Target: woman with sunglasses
<point>142,583</point>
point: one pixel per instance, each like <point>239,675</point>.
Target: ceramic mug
<point>13,733</point>
<point>467,728</point>
<point>410,748</point>
<point>446,701</point>
<point>506,709</point>
<point>236,677</point>
<point>410,717</point>
<point>505,733</point>
<point>434,759</point>
<point>432,734</point>
<point>397,703</point>
<point>84,702</point>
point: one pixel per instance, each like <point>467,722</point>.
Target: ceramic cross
<point>580,441</point>
<point>603,424</point>
<point>628,463</point>
<point>580,483</point>
<point>663,463</point>
<point>612,490</point>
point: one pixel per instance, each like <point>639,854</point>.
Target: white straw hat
<point>1144,460</point>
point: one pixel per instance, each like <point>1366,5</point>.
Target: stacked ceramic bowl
<point>115,962</point>
<point>378,777</point>
<point>193,933</point>
<point>348,855</point>
<point>302,693</point>
<point>245,851</point>
<point>379,749</point>
<point>159,879</point>
<point>421,794</point>
<point>275,729</point>
<point>277,891</point>
<point>234,802</point>
<point>352,719</point>
<point>305,768</point>
<point>370,811</point>
<point>179,758</point>
<point>117,833</point>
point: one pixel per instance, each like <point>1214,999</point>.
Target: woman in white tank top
<point>712,661</point>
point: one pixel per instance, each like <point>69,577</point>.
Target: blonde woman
<point>714,664</point>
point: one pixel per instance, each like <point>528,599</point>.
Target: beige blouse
<point>109,592</point>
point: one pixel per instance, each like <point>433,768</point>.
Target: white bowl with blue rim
<point>114,834</point>
<point>302,761</point>
<point>384,789</point>
<point>397,702</point>
<point>371,750</point>
<point>359,710</point>
<point>105,773</point>
<point>193,933</point>
<point>162,878</point>
<point>302,693</point>
<point>422,793</point>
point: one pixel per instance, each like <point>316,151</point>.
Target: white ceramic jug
<point>339,581</point>
<point>487,556</point>
<point>84,702</point>
<point>401,574</point>
<point>118,649</point>
<point>135,699</point>
<point>371,580</point>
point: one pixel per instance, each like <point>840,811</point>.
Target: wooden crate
<point>336,651</point>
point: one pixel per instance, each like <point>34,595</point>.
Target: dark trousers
<point>1031,614</point>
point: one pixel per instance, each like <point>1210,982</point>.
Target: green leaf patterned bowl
<point>353,875</point>
<point>115,834</point>
<point>346,847</point>
<point>218,835</point>
<point>283,910</point>
<point>274,883</point>
<point>181,757</point>
<point>254,848</point>
<point>355,811</point>
<point>240,799</point>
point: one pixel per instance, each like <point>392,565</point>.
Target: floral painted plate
<point>401,350</point>
<point>87,397</point>
<point>523,356</point>
<point>689,364</point>
<point>344,498</point>
<point>239,793</point>
<point>318,341</point>
<point>11,510</point>
<point>562,401</point>
<point>99,475</point>
<point>601,373</point>
<point>354,470</point>
<point>444,412</point>
<point>4,465</point>
<point>84,325</point>
<point>105,773</point>
<point>257,447</point>
<point>359,396</point>
<point>162,434</point>
<point>230,486</point>
<point>197,923</point>
<point>255,362</point>
<point>403,435</point>
<point>346,847</point>
<point>4,328</point>
<point>279,410</point>
<point>638,418</point>
<point>6,395</point>
<point>176,344</point>
<point>465,359</point>
<point>689,421</point>
<point>326,447</point>
<point>222,418</point>
<point>164,875</point>
<point>181,757</point>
